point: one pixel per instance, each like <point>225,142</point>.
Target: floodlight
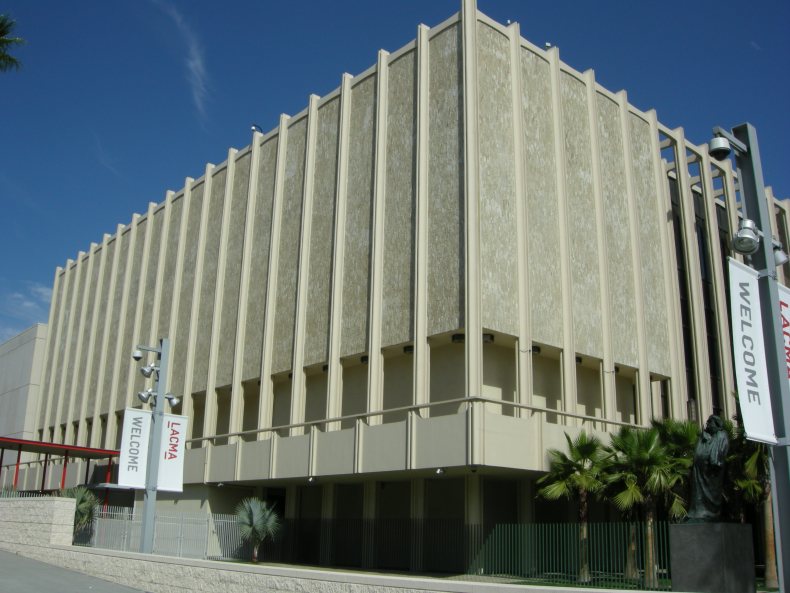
<point>747,239</point>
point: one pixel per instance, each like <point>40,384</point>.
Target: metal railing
<point>462,403</point>
<point>11,493</point>
<point>618,555</point>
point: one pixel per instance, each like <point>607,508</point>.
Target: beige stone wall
<point>21,360</point>
<point>36,522</point>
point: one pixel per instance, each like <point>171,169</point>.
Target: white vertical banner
<point>134,448</point>
<point>171,455</point>
<point>748,345</point>
<point>784,317</point>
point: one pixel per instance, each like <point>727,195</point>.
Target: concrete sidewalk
<point>23,575</point>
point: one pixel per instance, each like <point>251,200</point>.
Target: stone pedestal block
<point>712,558</point>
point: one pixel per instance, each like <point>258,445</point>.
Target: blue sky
<point>119,101</point>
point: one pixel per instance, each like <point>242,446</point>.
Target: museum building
<point>393,303</point>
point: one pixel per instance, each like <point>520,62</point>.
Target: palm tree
<point>680,438</point>
<point>641,472</point>
<point>7,61</point>
<point>85,506</point>
<point>257,522</point>
<point>577,474</point>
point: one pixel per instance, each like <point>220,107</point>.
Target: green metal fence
<point>618,555</point>
<point>612,556</point>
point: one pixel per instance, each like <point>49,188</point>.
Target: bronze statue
<point>707,475</point>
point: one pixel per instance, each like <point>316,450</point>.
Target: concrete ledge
<point>164,574</point>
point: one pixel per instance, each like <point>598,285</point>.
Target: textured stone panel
<point>151,267</point>
<point>322,235</point>
<point>288,258</point>
<point>233,261</point>
<point>359,211</point>
<point>582,228</point>
<point>101,322</point>
<point>498,246</point>
<point>622,298</point>
<point>53,337</point>
<point>648,200</point>
<point>61,350</point>
<point>397,311</point>
<point>445,184</point>
<point>540,170</point>
<point>259,263</point>
<point>208,281</point>
<point>151,270</point>
<point>125,364</point>
<point>79,276</point>
<point>115,318</point>
<point>93,296</point>
<point>181,341</point>
<point>173,236</point>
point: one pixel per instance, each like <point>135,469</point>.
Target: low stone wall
<point>41,529</point>
<point>36,521</point>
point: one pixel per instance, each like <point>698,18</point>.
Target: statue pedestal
<point>712,557</point>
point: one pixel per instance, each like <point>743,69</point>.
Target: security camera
<point>719,148</point>
<point>137,355</point>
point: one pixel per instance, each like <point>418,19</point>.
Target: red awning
<point>72,451</point>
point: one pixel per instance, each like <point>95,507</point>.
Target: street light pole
<point>755,207</point>
<point>154,448</point>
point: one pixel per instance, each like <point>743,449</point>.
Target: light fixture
<point>488,338</point>
<point>747,239</point>
<point>536,349</point>
<point>311,480</point>
<point>719,148</point>
<point>172,400</point>
<point>137,355</point>
<point>439,471</point>
<point>148,370</point>
<point>364,359</point>
<point>145,396</point>
<point>409,349</point>
<point>578,360</point>
<point>457,339</point>
<point>256,128</point>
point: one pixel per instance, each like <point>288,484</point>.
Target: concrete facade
<point>445,264</point>
<point>21,366</point>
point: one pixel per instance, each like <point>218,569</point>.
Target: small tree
<point>257,521</point>
<point>680,439</point>
<point>576,475</point>
<point>641,472</point>
<point>85,506</point>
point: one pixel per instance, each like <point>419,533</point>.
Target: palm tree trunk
<point>651,572</point>
<point>631,571</point>
<point>255,553</point>
<point>584,555</point>
<point>771,576</point>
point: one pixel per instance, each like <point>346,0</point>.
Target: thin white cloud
<point>197,76</point>
<point>756,46</point>
<point>104,158</point>
<point>23,307</point>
